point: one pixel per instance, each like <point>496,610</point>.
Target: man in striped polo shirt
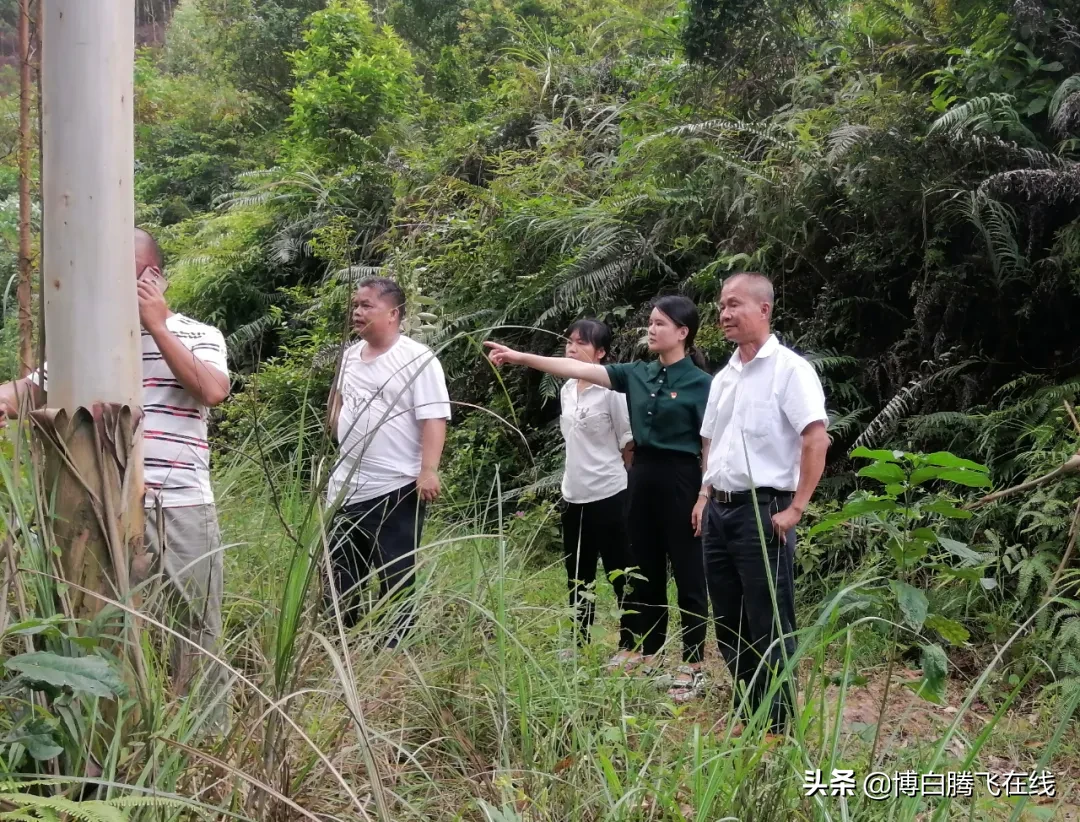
<point>184,375</point>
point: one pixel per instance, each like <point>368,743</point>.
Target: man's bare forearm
<point>705,443</point>
<point>432,441</point>
<point>204,382</point>
<point>815,444</point>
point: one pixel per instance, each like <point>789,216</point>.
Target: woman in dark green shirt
<point>667,399</point>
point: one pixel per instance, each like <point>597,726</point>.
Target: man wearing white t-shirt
<point>763,440</point>
<point>184,374</point>
<point>388,412</point>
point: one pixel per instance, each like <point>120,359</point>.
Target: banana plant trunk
<point>91,422</point>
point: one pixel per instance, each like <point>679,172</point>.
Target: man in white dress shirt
<point>764,429</point>
<point>388,412</point>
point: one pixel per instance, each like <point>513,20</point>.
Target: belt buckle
<point>722,497</point>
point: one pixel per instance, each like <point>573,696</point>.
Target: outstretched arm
<point>563,367</point>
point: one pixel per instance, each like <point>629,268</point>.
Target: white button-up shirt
<point>766,403</point>
<point>596,425</point>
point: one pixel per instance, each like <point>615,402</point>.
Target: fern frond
<point>356,273</point>
<point>549,387</point>
<point>827,360</point>
<point>991,113</point>
<point>327,356</point>
<point>1063,109</point>
<point>904,400</point>
<point>843,139</point>
<point>842,424</point>
<point>249,333</point>
<point>1050,186</point>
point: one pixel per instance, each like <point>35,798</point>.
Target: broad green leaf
<point>907,554</point>
<point>913,603</point>
<point>884,472</point>
<point>83,674</point>
<point>952,632</point>
<point>935,665</point>
<point>969,574</point>
<point>925,474</point>
<point>960,549</point>
<point>943,508</point>
<point>947,460</point>
<point>988,583</point>
<point>868,506</point>
<point>854,509</point>
<point>880,456</point>
<point>895,490</point>
<point>31,627</point>
<point>962,476</point>
<point>924,534</point>
<point>37,737</point>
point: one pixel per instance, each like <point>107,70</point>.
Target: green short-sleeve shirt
<point>667,404</point>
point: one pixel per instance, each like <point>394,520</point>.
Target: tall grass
<point>474,717</point>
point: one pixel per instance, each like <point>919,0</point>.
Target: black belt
<point>765,495</point>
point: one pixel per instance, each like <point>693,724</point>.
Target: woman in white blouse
<point>596,425</point>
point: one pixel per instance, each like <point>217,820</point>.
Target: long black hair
<point>594,333</point>
<point>682,311</point>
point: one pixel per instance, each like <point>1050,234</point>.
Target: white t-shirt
<point>769,402</point>
<point>596,426</point>
<point>383,403</point>
<point>176,453</point>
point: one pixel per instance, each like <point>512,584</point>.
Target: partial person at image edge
<point>184,374</point>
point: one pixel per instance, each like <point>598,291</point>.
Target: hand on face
<point>153,310</point>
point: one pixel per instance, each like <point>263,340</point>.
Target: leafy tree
<point>247,42</point>
<point>354,83</point>
<point>428,25</point>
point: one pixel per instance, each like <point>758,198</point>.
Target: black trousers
<point>591,530</point>
<point>746,623</point>
<point>663,491</point>
<point>378,535</point>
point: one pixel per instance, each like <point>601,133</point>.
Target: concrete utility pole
<point>92,419</point>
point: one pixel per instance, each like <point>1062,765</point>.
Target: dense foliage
<point>905,171</point>
<point>908,172</point>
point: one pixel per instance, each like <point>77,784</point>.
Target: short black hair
<point>385,287</point>
<point>592,331</point>
<point>155,249</point>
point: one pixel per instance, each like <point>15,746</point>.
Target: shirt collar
<point>674,369</point>
<point>572,385</point>
<point>770,347</point>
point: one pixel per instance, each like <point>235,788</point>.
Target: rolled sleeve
<point>620,419</point>
<point>619,375</point>
<point>803,401</point>
<point>430,396</point>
